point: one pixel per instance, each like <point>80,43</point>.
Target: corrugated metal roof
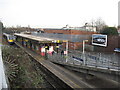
<point>40,38</point>
<point>72,38</point>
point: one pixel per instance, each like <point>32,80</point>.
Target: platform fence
<point>88,59</point>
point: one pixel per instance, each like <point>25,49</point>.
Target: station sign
<point>99,39</point>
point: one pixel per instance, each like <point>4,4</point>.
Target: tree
<point>110,31</point>
<point>118,26</point>
<point>99,23</point>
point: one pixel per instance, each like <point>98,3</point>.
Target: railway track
<point>47,80</point>
<point>51,80</point>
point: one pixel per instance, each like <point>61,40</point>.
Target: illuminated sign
<point>99,39</point>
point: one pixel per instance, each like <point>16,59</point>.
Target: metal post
<point>83,46</point>
<point>84,50</point>
<point>108,63</point>
<point>100,59</point>
<point>74,46</point>
<point>66,50</point>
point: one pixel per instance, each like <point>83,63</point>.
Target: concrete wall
<point>3,83</point>
<point>1,25</point>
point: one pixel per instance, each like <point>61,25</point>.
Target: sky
<point>57,13</point>
<point>119,13</point>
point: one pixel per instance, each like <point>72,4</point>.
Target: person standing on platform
<point>62,52</point>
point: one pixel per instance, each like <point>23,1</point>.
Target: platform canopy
<point>40,39</point>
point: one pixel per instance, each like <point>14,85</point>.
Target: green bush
<point>110,31</point>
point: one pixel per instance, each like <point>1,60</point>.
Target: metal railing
<point>97,60</point>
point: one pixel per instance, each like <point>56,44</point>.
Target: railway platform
<point>85,63</point>
<point>69,78</point>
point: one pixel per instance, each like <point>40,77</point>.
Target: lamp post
<point>84,45</point>
<point>84,50</point>
<point>66,50</point>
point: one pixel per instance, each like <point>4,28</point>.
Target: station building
<point>75,35</point>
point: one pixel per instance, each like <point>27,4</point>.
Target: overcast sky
<point>57,13</point>
<point>119,13</point>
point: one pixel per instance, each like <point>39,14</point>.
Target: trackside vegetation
<point>20,69</point>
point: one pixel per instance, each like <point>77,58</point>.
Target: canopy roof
<point>40,39</point>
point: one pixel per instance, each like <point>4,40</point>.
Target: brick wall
<point>78,32</point>
<point>113,42</point>
<point>57,31</point>
<point>72,32</point>
<point>72,45</point>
